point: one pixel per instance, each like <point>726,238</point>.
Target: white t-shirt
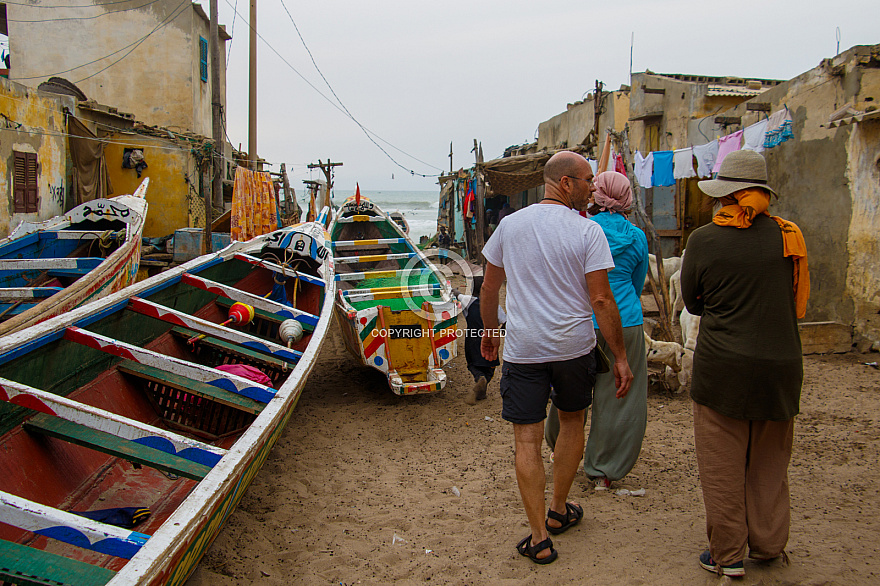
<point>545,251</point>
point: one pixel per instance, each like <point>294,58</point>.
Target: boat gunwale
<point>157,561</point>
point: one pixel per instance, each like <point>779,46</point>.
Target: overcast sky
<point>423,74</point>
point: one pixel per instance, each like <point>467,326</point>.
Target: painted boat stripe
<point>279,309</point>
<point>373,242</point>
<point>70,528</point>
<point>220,332</point>
<point>381,274</point>
<point>373,257</point>
<point>101,420</point>
<point>211,376</point>
<point>48,264</point>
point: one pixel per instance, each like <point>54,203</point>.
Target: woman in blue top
<point>617,426</point>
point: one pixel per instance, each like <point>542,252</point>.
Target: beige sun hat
<point>739,170</point>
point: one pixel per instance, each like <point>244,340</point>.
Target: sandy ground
<point>363,488</point>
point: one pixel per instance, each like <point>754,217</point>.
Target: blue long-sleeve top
<point>629,247</point>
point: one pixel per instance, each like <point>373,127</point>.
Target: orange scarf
<point>754,201</point>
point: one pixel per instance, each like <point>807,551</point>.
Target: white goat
<point>670,266</point>
<point>669,353</point>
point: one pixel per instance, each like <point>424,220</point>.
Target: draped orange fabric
<point>253,205</point>
<point>752,202</point>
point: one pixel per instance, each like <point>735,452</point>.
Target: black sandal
<point>531,551</point>
<point>573,515</point>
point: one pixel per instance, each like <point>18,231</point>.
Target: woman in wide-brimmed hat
<point>617,426</point>
<point>746,275</point>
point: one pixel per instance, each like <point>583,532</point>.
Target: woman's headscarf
<point>613,192</point>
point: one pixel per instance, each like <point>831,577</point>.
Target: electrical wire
<point>137,42</point>
<point>29,5</point>
<point>86,17</point>
<point>348,115</point>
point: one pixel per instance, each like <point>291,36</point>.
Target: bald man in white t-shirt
<point>556,264</point>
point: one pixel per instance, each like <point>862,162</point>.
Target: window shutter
<point>31,183</point>
<point>203,58</point>
<point>19,179</point>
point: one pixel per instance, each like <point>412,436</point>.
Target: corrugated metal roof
<point>734,90</point>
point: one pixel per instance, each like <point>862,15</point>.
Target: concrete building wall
<point>174,181</point>
<point>33,123</point>
<point>572,127</point>
<point>140,60</point>
<point>829,184</point>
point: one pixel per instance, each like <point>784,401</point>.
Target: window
<point>203,58</point>
<point>24,182</point>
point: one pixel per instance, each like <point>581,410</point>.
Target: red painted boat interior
<point>73,478</point>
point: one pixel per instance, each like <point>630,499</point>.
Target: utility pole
<point>252,90</point>
<point>597,112</point>
<point>327,168</point>
<point>450,156</point>
<point>216,130</point>
<point>479,194</point>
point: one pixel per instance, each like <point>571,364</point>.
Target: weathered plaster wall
<point>571,128</point>
<point>829,184</point>
<point>34,122</point>
<point>169,169</point>
<point>158,80</point>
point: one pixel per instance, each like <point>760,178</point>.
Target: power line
<point>165,23</point>
<point>67,5</point>
<point>137,42</point>
<point>86,17</point>
<point>348,115</point>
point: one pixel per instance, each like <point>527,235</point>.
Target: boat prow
<point>396,308</point>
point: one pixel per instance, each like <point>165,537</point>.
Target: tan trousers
<point>744,474</point>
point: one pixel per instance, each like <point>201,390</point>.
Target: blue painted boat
<point>131,426</point>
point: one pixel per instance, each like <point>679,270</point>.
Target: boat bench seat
<point>246,354</point>
<point>200,389</point>
<point>20,564</point>
<point>115,446</point>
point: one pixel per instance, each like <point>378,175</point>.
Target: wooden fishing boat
<point>48,268</point>
<point>143,403</point>
<point>395,307</point>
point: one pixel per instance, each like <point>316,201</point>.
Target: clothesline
<point>663,168</point>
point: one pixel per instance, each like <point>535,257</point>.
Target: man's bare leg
<point>530,478</point>
<point>567,456</point>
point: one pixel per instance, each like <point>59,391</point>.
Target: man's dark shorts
<point>525,388</point>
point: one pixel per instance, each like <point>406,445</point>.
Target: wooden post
<point>327,168</point>
<point>288,207</point>
<point>479,204</point>
<point>252,89</point>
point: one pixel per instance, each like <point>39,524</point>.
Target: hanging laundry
<point>594,165</point>
<point>663,175</point>
<point>643,167</point>
<point>253,205</point>
<point>469,197</point>
<point>706,155</point>
<point>683,163</point>
<point>778,128</point>
<point>619,165</point>
<point>726,145</point>
<point>754,135</point>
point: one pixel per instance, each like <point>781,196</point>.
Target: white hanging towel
<point>643,167</point>
<point>706,155</point>
<point>754,136</point>
<point>683,163</point>
<point>594,165</point>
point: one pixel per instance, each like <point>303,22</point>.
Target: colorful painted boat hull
<point>117,271</point>
<point>395,308</point>
<point>175,546</point>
